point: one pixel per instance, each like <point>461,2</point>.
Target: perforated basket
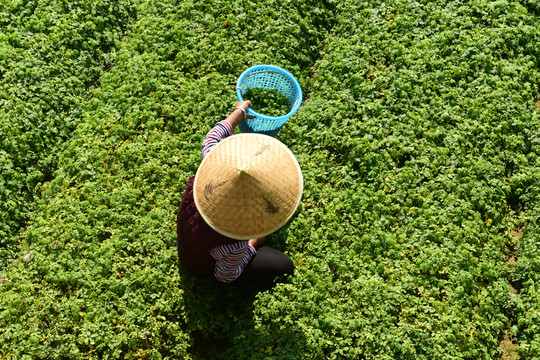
<point>268,77</point>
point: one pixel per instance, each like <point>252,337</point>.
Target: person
<point>246,187</point>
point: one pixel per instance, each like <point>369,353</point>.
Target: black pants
<point>265,269</point>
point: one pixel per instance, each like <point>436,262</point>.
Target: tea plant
<point>114,291</point>
<point>52,55</point>
<point>418,141</point>
<point>269,102</point>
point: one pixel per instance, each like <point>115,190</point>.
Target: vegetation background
<point>419,140</point>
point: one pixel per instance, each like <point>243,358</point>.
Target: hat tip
<point>243,171</point>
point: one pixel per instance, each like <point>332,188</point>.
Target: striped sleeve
<point>231,260</point>
<point>220,131</point>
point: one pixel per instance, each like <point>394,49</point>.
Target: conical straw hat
<point>248,186</point>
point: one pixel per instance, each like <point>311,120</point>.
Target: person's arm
<point>237,116</point>
<point>225,128</point>
<point>219,132</point>
<point>257,242</point>
<point>231,260</point>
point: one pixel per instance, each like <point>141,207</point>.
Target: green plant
<point>269,102</point>
<point>418,142</point>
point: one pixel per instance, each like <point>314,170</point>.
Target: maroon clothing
<point>195,238</point>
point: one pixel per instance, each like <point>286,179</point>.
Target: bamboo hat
<point>248,186</point>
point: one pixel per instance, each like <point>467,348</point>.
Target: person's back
<point>195,238</point>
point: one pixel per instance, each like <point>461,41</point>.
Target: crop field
<point>418,234</point>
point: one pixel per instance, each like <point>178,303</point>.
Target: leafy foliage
<point>52,54</point>
<point>418,141</point>
<point>112,291</point>
<point>269,102</point>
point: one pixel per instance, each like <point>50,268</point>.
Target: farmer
<point>246,187</point>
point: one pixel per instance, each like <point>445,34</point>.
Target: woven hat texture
<point>248,186</point>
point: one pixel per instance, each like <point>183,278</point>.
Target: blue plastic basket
<point>268,77</point>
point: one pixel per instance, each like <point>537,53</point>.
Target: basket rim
<point>280,70</point>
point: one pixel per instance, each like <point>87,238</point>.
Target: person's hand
<point>239,114</point>
<point>257,242</point>
<point>245,105</point>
